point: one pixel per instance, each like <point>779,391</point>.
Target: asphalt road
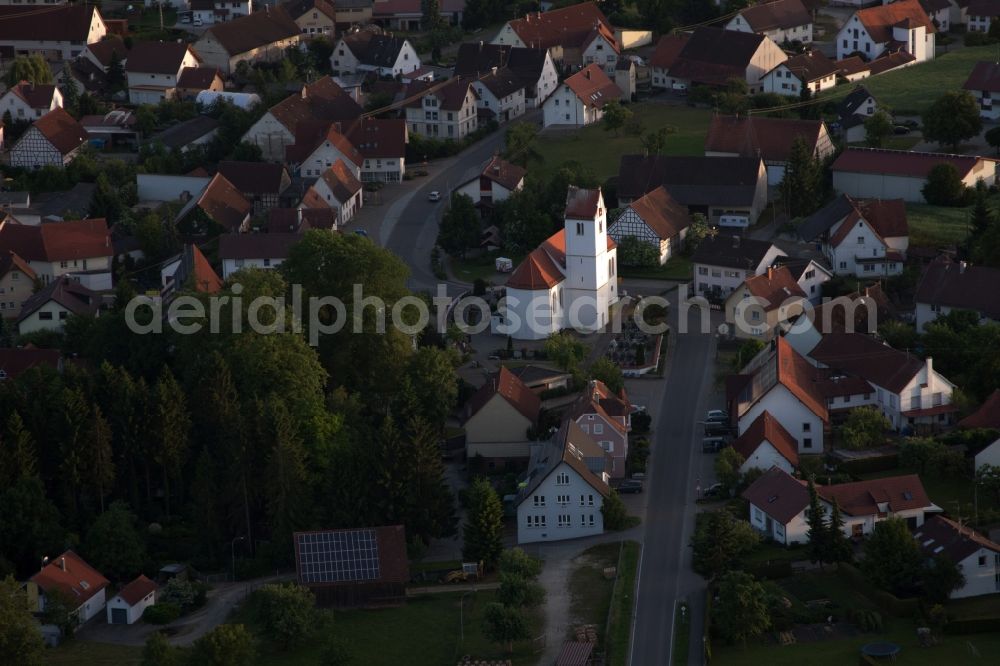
<point>665,574</point>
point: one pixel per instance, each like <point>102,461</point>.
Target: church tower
<point>586,239</point>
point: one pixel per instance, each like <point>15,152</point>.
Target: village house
<point>260,183</point>
<point>981,14</point>
<point>408,15</point>
<point>809,274</point>
<point>604,416</point>
<point>220,203</point>
<point>382,144</point>
<point>260,37</point>
<point>352,13</point>
<point>901,26</point>
<point>322,100</point>
<point>498,418</point>
<point>713,56</point>
<point>569,281</point>
<point>764,304</point>
<point>17,281</point>
<point>16,360</point>
<point>863,238</point>
<point>55,33</point>
<point>811,71</point>
<point>500,95</point>
<point>194,80</point>
<point>576,36</point>
<point>562,496</point>
<point>263,251</point>
<point>337,189</point>
<point>368,51</point>
<point>947,285</point>
<point>218,11</point>
<point>656,219</point>
<point>976,556</point>
<point>779,503</point>
<point>317,147</point>
<point>857,107</point>
<point>48,308</point>
<point>153,70</point>
<point>729,190</point>
<point>131,602</point>
<point>495,183</point>
<point>770,139</point>
<point>55,139</point>
<point>626,78</point>
<point>908,390</point>
<point>781,381</point>
<point>188,271</point>
<point>665,55</point>
<point>540,378</point>
<point>879,173</point>
<point>298,220</point>
<point>73,579</point>
<point>781,21</point>
<point>534,67</point>
<point>939,12</point>
<point>79,248</point>
<point>27,101</point>
<point>580,99</point>
<point>857,312</point>
<point>766,444</point>
<point>984,84</point>
<point>102,54</point>
<point>315,17</point>
<point>442,110</point>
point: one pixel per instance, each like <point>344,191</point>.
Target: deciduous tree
<point>226,645</point>
<point>483,532</point>
<point>615,116</point>
<point>20,640</point>
<point>287,613</point>
<point>892,557</point>
<point>878,127</point>
<point>944,187</point>
<point>614,512</point>
<point>952,119</point>
<point>864,428</point>
<point>565,351</point>
<point>607,371</point>
<point>801,186</point>
<point>940,577</point>
<point>32,68</point>
<point>460,228</point>
<point>720,542</point>
<point>114,545</point>
<point>505,625</point>
<point>741,612</point>
<point>519,143</point>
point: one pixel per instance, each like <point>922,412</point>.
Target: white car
<point>636,409</point>
<point>198,21</point>
<point>716,416</point>
<point>434,196</point>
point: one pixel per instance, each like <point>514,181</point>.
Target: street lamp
<point>45,560</point>
<point>232,548</point>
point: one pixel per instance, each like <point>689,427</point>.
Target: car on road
<point>716,416</point>
<point>713,444</point>
<point>630,486</point>
<point>434,196</point>
<point>198,21</point>
<point>715,490</point>
<point>900,129</point>
<point>636,409</point>
<point>361,232</point>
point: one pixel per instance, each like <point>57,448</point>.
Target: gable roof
<point>664,216</point>
<point>692,180</point>
<point>61,130</point>
<point>861,498</point>
<point>186,131</point>
<point>255,177</point>
<point>198,78</point>
<point>868,358</point>
<point>777,15</point>
<point>593,87</point>
<point>104,49</point>
<point>770,139</point>
<point>195,269</point>
<point>884,161</point>
<point>668,49</point>
<point>299,220</point>
<point>62,23</point>
<point>880,20</point>
<point>257,246</point>
<point>767,428</point>
<point>935,5</point>
<point>812,65</point>
<point>774,287</point>
<point>943,536</point>
<point>322,100</point>
<point>564,26</point>
<point>985,76</point>
<point>72,576</point>
<point>536,271</point>
<point>14,361</point>
<point>886,217</point>
<point>297,8</point>
<point>36,96</point>
<point>570,445</point>
<point>222,202</point>
<point>742,253</point>
<point>987,416</point>
<point>311,135</point>
<point>986,8</point>
<point>57,241</point>
<point>341,181</point>
<point>850,104</point>
<point>778,494</point>
<point>713,55</point>
<point>379,137</point>
<point>476,58</point>
<point>504,173</point>
<point>157,57</point>
<point>66,292</point>
<point>505,384</point>
<point>502,82</point>
<point>374,49</point>
<point>137,590</point>
<point>451,94</point>
<point>796,374</point>
<point>597,398</point>
<point>10,260</point>
<point>962,287</point>
<point>271,24</point>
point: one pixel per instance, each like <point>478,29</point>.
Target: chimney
<point>62,563</point>
<point>493,70</point>
<point>770,273</point>
<point>298,216</point>
<point>736,240</point>
<point>929,364</point>
<point>961,267</point>
<point>480,44</point>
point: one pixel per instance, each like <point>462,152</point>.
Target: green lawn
<point>590,591</point>
<point>622,603</point>
<point>910,90</point>
<point>676,268</point>
<point>936,226</point>
<point>775,552</point>
<point>77,652</point>
<point>600,150</point>
<point>482,267</point>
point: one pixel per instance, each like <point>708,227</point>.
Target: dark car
<point>630,486</point>
<point>900,129</point>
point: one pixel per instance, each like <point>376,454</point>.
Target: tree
<point>941,576</point>
<point>226,645</point>
<point>145,120</point>
<point>741,612</point>
<point>864,428</point>
<point>697,232</point>
<point>952,119</point>
<point>116,79</point>
<point>818,534</point>
<point>519,143</point>
<point>431,10</point>
<point>727,468</point>
<point>614,512</point>
<point>878,127</point>
<point>505,625</point>
<point>18,457</point>
<point>615,116</point>
<point>565,351</point>
<point>519,592</point>
<point>29,525</point>
<point>114,546</point>
<point>838,547</point>
<point>70,93</point>
<point>460,228</point>
<point>100,466</point>
<point>654,142</point>
<point>20,640</point>
<point>287,613</point>
<point>607,371</point>
<point>720,541</point>
<point>157,651</point>
<point>983,216</point>
<point>516,561</point>
<point>944,187</point>
<point>430,503</point>
<point>431,374</point>
<point>801,186</point>
<point>992,137</point>
<point>633,251</point>
<point>171,425</point>
<point>288,487</point>
<point>931,457</point>
<point>483,533</point>
<point>892,558</point>
<point>33,69</point>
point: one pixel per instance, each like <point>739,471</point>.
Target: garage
<point>119,616</point>
<point>131,602</point>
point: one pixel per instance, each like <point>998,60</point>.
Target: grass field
<point>600,150</point>
<point>910,90</point>
<point>936,226</point>
<point>590,591</point>
<point>676,268</point>
<point>77,652</point>
<point>482,267</point>
<point>622,601</point>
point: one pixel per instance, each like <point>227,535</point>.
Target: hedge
<point>973,625</point>
<point>888,602</point>
<point>161,613</point>
<point>772,570</point>
<point>868,465</point>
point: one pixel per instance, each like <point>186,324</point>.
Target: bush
<point>868,465</point>
<point>771,570</point>
<point>161,613</point>
<point>973,625</point>
<point>865,620</point>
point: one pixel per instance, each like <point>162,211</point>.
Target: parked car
<point>198,21</point>
<point>630,486</point>
<point>716,416</point>
<point>361,232</point>
<point>715,429</point>
<point>638,408</point>
<point>713,444</point>
<point>434,196</point>
<point>900,129</point>
<point>715,490</point>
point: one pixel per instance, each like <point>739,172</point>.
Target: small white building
<point>74,580</point>
<point>810,70</point>
<point>861,238</point>
<point>535,67</point>
<point>781,21</point>
<point>501,95</point>
<point>260,37</point>
<point>27,101</point>
<point>903,25</point>
<point>497,419</point>
<point>218,11</point>
<point>984,84</point>
<point>722,263</point>
<point>337,189</point>
<point>853,111</point>
<point>442,110</point>
<point>980,15</point>
<point>495,183</point>
<point>56,32</point>
<point>977,557</point>
<point>131,602</point>
<point>581,98</point>
<point>366,51</point>
<point>264,251</point>
<point>55,139</point>
<point>153,69</point>
<point>562,498</point>
<point>991,454</point>
<point>767,444</point>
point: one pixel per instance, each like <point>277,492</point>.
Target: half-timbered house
<point>654,218</point>
<point>54,139</point>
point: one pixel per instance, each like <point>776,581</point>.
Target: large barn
<point>353,567</point>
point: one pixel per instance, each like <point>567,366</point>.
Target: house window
<point>47,316</point>
<point>806,427</point>
<point>536,521</point>
<point>267,263</point>
<point>563,500</point>
<point>538,500</point>
<point>982,560</point>
<point>579,228</point>
<point>562,479</point>
<point>807,443</point>
<point>702,270</point>
<point>598,429</point>
<point>861,240</point>
<point>590,520</point>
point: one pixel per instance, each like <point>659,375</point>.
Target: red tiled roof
<point>889,61</point>
<point>778,494</point>
<point>664,216</point>
<point>451,94</point>
<point>57,241</point>
<point>767,428</point>
<point>62,130</point>
<point>774,288</point>
<point>797,375</point>
<point>66,292</point>
<point>322,100</point>
<point>255,177</point>
<point>713,55</point>
<point>883,161</point>
<point>206,280</point>
<point>379,137</point>
<point>272,24</point>
<point>310,135</point>
<point>667,50</point>
<point>157,57</point>
<point>104,49</point>
<point>868,358</point>
<point>341,181</point>
<point>987,8</point>
<point>36,96</point>
<point>198,78</point>
<point>62,23</point>
<point>592,401</point>
<point>879,20</point>
<point>511,389</point>
<point>987,416</point>
<point>969,288</point>
<point>566,26</point>
<point>503,173</point>
<point>536,271</point>
<point>861,498</point>
<point>137,590</point>
<point>593,87</point>
<point>78,581</point>
<point>885,217</point>
<point>14,361</point>
<point>810,66</point>
<point>985,76</point>
<point>10,260</point>
<point>769,138</point>
<point>222,202</point>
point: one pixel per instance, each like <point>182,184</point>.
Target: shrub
<point>161,613</point>
<point>865,620</point>
<point>973,625</point>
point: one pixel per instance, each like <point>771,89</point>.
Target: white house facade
<point>875,30</point>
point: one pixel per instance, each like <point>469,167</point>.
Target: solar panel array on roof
<point>338,557</point>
